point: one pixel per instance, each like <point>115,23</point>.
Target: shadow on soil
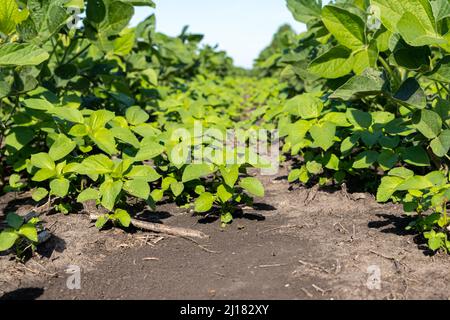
<point>23,294</point>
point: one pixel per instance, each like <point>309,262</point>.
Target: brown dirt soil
<point>295,244</point>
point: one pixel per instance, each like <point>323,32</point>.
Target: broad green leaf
<point>61,147</point>
<point>110,190</point>
<point>29,231</point>
<point>358,118</point>
<point>10,16</point>
<point>365,58</point>
<point>428,122</point>
<point>253,186</point>
<point>14,54</point>
<point>143,172</point>
<point>104,139</point>
<point>59,187</point>
<point>335,63</point>
<point>416,156</point>
<point>39,193</point>
<point>101,221</point>
<point>411,94</point>
<point>441,145</point>
<point>196,171</point>
<point>415,183</point>
<point>307,106</point>
<point>323,135</point>
<point>204,202</point>
<point>370,82</point>
<point>96,164</point>
<point>230,174</point>
<point>43,161</point>
<point>148,150</point>
<point>138,188</point>
<point>223,193</point>
<point>39,104</point>
<point>388,187</point>
<point>305,10</point>
<point>69,114</point>
<point>418,30</point>
<point>135,115</point>
<point>347,27</point>
<point>99,119</point>
<point>88,194</point>
<point>177,188</point>
<point>43,174</point>
<point>7,239</point>
<point>123,217</point>
<point>14,220</point>
<point>365,159</point>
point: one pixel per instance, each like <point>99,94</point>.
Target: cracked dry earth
<point>296,243</point>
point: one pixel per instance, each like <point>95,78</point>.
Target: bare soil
<point>296,243</point>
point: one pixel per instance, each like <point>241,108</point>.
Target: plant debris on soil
<point>298,243</point>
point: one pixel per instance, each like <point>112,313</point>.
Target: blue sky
<point>241,27</point>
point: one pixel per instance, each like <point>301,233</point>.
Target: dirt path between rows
<point>297,244</point>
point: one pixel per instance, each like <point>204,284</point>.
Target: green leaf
<point>88,194</point>
<point>441,144</point>
<point>177,188</point>
<point>96,10</point>
<point>365,159</point>
<point>43,174</point>
<point>441,72</point>
<point>387,187</point>
<point>416,156</point>
<point>387,159</point>
<point>204,203</point>
<point>59,187</point>
<point>415,183</point>
<point>418,29</point>
<point>226,218</point>
<point>335,63</point>
<point>105,140</point>
<point>135,115</point>
<point>39,104</point>
<point>143,172</point>
<point>138,188</point>
<point>307,106</point>
<point>10,16</point>
<point>370,82</point>
<point>252,185</point>
<point>14,54</point>
<point>29,231</point>
<point>97,164</point>
<point>401,172</point>
<point>323,135</point>
<point>7,239</point>
<point>123,217</point>
<point>14,220</point>
<point>148,150</point>
<point>347,27</point>
<point>126,135</point>
<point>110,190</point>
<point>101,221</point>
<point>358,118</point>
<point>230,174</point>
<point>411,94</point>
<point>43,160</point>
<point>196,171</point>
<point>223,193</point>
<point>99,119</point>
<point>39,193</point>
<point>305,10</point>
<point>69,114</point>
<point>61,147</point>
<point>428,122</point>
